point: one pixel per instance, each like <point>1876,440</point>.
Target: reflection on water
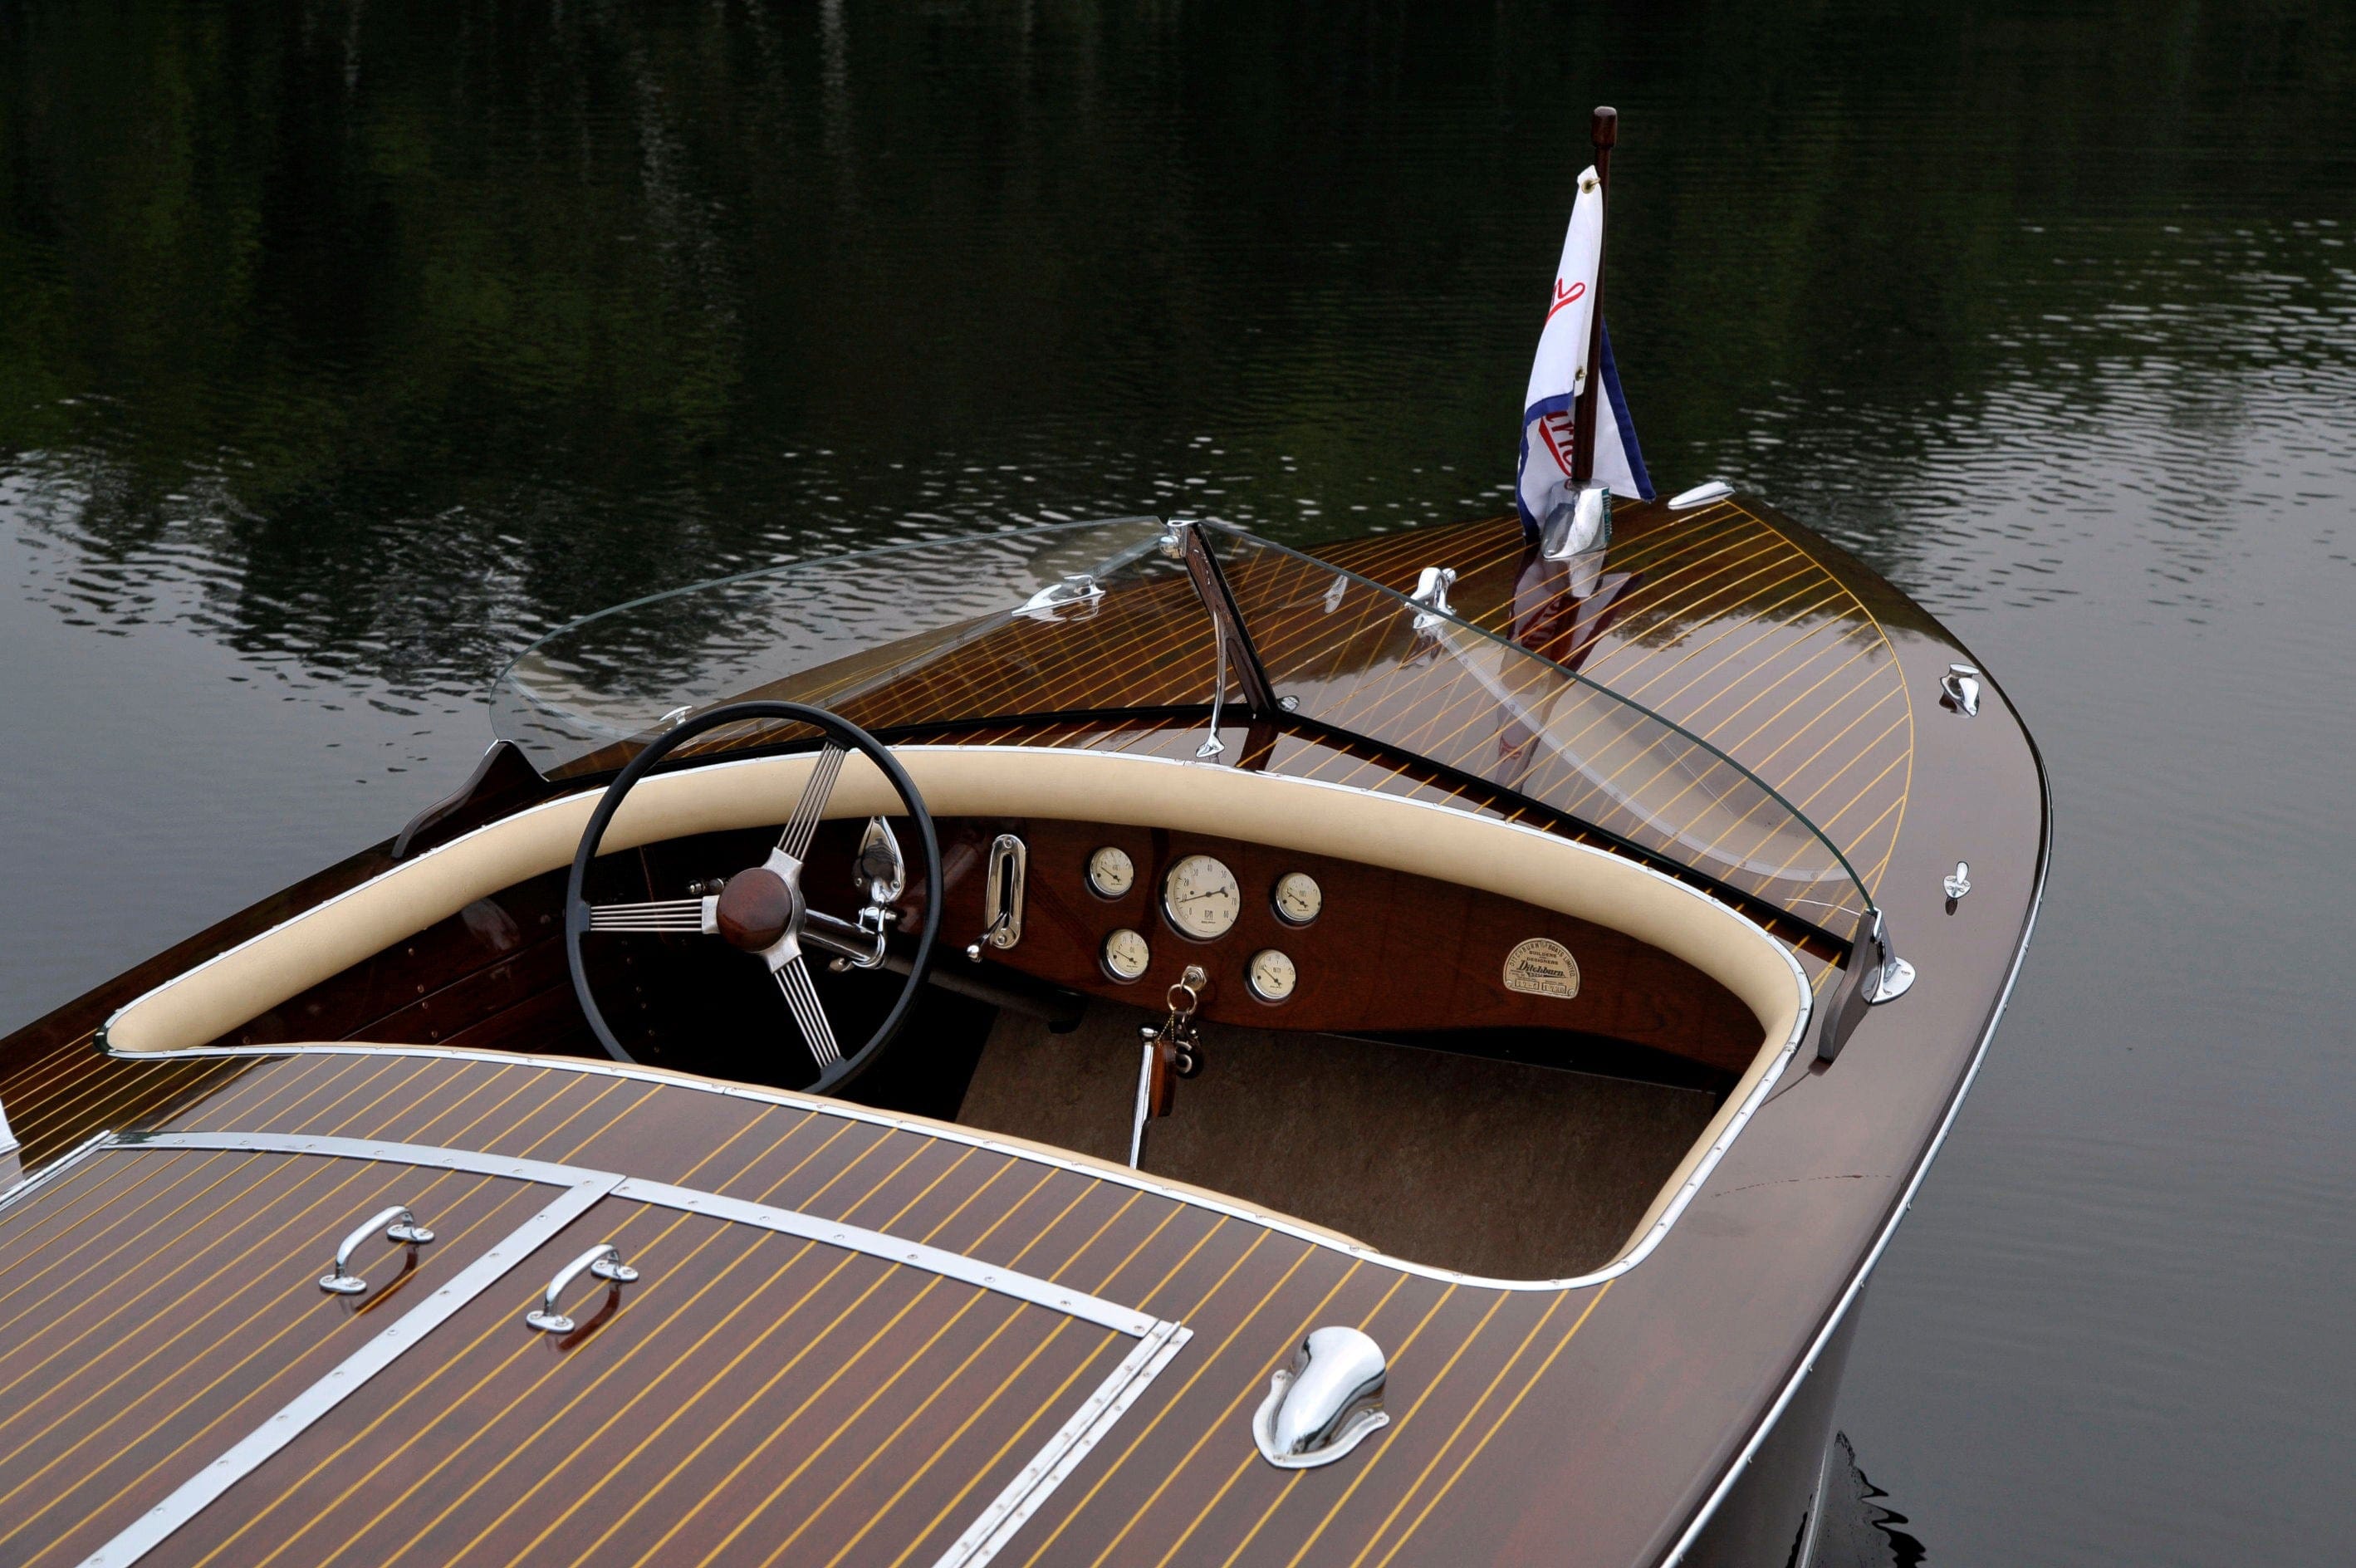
<point>343,349</point>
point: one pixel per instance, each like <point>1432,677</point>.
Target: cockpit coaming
<point>1436,1036</point>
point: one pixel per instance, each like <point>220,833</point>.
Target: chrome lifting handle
<point>604,1261</point>
<point>398,1225</point>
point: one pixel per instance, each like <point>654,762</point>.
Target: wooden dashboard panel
<point>1389,953</point>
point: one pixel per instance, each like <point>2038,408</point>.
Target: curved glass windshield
<point>1100,619</point>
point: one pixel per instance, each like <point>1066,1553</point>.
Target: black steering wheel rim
<point>835,727</point>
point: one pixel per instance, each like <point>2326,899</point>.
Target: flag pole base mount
<point>1581,526</point>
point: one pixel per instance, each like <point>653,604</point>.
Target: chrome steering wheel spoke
<point>691,916</point>
<point>809,1012</point>
<point>794,842</point>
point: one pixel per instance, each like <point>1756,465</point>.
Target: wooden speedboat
<point>1117,1043</point>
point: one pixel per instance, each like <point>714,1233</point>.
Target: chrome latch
<point>1959,688</point>
<point>398,1225</point>
<point>1325,1404</point>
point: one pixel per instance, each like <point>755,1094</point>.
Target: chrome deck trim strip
<point>905,1254</point>
<point>427,1154</point>
<point>1905,1201</point>
<point>1062,1454</point>
<point>852,1238</point>
<point>57,1166</point>
<point>190,1497</point>
<point>1676,1207</point>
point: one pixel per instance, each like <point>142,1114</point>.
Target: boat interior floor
<point>1460,1161</point>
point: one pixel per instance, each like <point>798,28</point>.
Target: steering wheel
<point>764,911</point>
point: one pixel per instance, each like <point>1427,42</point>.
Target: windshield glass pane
<point>826,630</point>
<point>1095,619</point>
<point>1357,656</point>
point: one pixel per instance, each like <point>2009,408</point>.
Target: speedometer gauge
<point>1201,897</point>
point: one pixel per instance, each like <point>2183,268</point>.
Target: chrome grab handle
<point>604,1261</point>
<point>398,1225</point>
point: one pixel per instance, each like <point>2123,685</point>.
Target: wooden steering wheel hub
<point>756,909</point>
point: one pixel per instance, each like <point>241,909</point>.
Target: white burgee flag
<point>1559,375</point>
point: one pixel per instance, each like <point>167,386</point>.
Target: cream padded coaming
<point>1350,824</point>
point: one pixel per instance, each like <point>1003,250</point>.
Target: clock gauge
<point>1111,872</point>
<point>1125,954</point>
<point>1272,975</point>
<point>1201,897</point>
<point>1299,899</point>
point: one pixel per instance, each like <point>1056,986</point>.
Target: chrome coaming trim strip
<point>949,1133</point>
<point>57,1166</point>
<point>1905,1200</point>
<point>891,1250</point>
<point>305,1409</point>
<point>1061,1454</point>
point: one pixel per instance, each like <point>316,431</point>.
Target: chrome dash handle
<point>603,1262</point>
<point>398,1225</point>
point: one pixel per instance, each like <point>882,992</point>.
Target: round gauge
<point>1111,872</point>
<point>1201,897</point>
<point>1272,975</point>
<point>1298,898</point>
<point>1125,954</point>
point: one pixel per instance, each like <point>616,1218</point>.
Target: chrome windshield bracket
<point>1873,974</point>
<point>1228,624</point>
<point>1048,603</point>
<point>1431,586</point>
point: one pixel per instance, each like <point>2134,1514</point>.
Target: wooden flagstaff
<point>1605,130</point>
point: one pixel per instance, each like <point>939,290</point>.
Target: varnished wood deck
<point>1584,1425</point>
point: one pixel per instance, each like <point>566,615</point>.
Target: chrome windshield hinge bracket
<point>1873,974</point>
<point>1431,586</point>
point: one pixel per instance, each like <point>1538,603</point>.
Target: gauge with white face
<point>1125,954</point>
<point>1272,975</point>
<point>1201,897</point>
<point>1298,898</point>
<point>1111,872</point>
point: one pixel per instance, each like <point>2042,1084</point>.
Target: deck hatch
<point>155,1305</point>
<point>975,1413</point>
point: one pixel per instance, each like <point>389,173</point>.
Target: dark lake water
<point>344,347</point>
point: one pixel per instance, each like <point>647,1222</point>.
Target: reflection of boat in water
<point>1137,1044</point>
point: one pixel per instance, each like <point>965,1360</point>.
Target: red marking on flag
<point>1563,296</point>
<point>1557,440</point>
